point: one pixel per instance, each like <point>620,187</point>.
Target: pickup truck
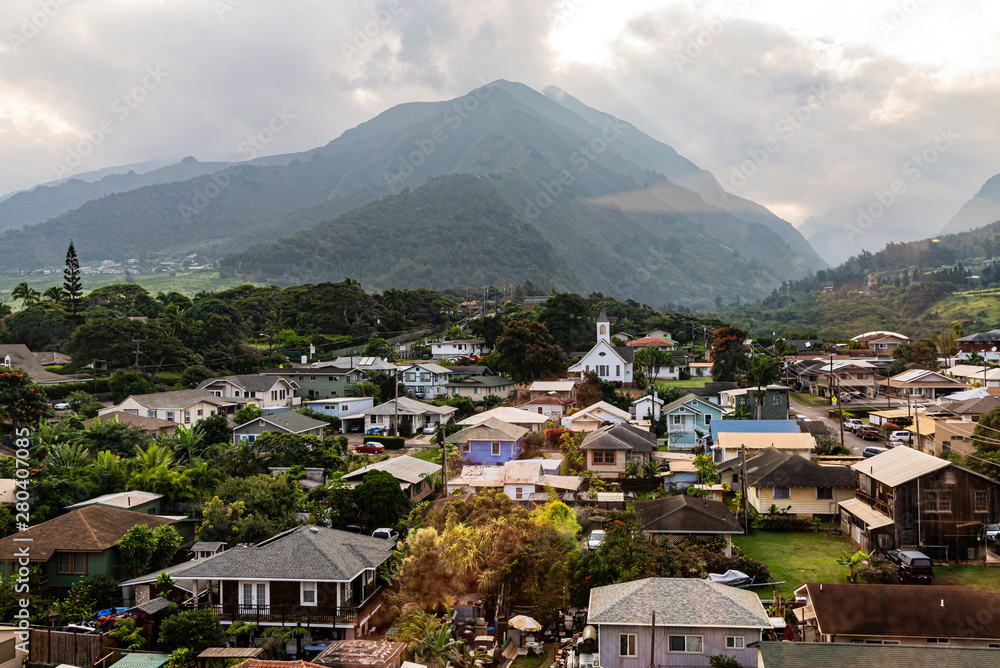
<point>853,424</point>
<point>913,565</point>
<point>869,433</point>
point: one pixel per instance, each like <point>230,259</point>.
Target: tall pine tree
<point>71,281</point>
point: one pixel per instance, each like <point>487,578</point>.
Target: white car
<point>902,435</point>
<point>61,406</point>
<point>597,537</point>
<point>386,534</point>
<point>853,424</point>
<point>431,429</point>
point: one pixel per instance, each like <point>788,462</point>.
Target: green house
<point>75,546</point>
<point>320,382</point>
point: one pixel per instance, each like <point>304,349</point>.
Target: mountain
<point>981,210</point>
<point>601,195</point>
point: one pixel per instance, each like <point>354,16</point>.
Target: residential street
<point>857,445</point>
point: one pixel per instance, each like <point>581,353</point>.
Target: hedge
<point>390,442</point>
<point>55,392</point>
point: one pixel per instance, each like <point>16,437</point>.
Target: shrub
<point>554,436</point>
<point>878,570</point>
<point>390,442</point>
<point>56,392</point>
<point>405,428</point>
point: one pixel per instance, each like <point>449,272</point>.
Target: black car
<point>913,565</point>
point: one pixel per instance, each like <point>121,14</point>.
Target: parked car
<point>595,539</point>
<point>853,424</point>
<point>376,448</point>
<point>993,533</point>
<point>430,429</point>
<point>869,433</point>
<point>386,534</point>
<point>61,406</point>
<point>355,528</point>
<point>913,565</point>
<point>375,431</point>
<point>873,450</point>
<point>902,435</point>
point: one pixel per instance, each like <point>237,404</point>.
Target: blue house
<point>492,441</point>
<point>689,421</point>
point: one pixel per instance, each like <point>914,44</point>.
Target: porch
<point>349,613</point>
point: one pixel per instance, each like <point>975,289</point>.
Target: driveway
<point>855,444</point>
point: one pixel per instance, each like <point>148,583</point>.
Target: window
<point>131,411</point>
<point>281,394</point>
<point>602,370</point>
<point>425,378</point>
<point>410,376</point>
<point>187,416</point>
<point>151,414</point>
<point>201,411</point>
<point>466,447</point>
<point>308,591</point>
<point>782,493</point>
<point>824,493</point>
<point>676,419</point>
<point>170,416</point>
<point>627,645</point>
<point>72,563</point>
<point>479,390</point>
<point>734,642</point>
<point>708,420</point>
<point>982,501</point>
<point>690,644</point>
<point>236,393</point>
<point>495,448</point>
<point>343,408</point>
<point>312,379</point>
<point>777,400</point>
<point>938,641</point>
<point>937,502</point>
<point>618,369</point>
<point>604,457</point>
<point>518,493</point>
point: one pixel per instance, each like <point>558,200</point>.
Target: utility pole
<point>743,486</point>
<point>652,642</point>
<point>835,388</point>
<point>444,458</point>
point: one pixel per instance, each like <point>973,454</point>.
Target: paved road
<point>856,445</point>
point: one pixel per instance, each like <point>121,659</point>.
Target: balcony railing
<point>347,614</point>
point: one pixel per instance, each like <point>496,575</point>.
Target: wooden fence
<point>56,646</point>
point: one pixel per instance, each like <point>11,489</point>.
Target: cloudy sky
<point>804,107</point>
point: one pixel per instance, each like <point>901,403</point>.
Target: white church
<point>610,362</point>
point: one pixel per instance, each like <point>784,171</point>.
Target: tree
<point>728,353</point>
<point>567,318</point>
<point>54,294</point>
<point>196,630</point>
<point>488,328</point>
<point>124,384</point>
<point>246,414</point>
<point>145,549</point>
<point>527,352</point>
<point>760,372</point>
<point>26,294</point>
<point>426,574</point>
<point>128,635</point>
<point>22,403</point>
<point>72,285</point>
<point>986,435</point>
<point>650,360</point>
<point>380,496</point>
<point>221,522</point>
<point>922,353</point>
<point>378,347</point>
<point>215,429</point>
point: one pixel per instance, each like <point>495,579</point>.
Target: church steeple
<point>603,327</point>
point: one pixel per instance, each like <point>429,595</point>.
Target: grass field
<point>980,577</point>
<point>698,381</point>
<point>977,304</point>
<point>797,557</point>
<point>185,282</point>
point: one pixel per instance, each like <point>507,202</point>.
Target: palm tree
<point>68,456</point>
<point>204,477</point>
<point>128,633</point>
<point>275,322</point>
<point>632,468</point>
<point>761,372</point>
<point>186,444</point>
<point>651,468</point>
<point>26,294</point>
<point>54,294</point>
<point>439,648</point>
<point>173,317</point>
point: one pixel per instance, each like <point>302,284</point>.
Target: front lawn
<point>796,557</point>
<point>980,577</point>
<point>431,454</point>
<point>697,381</point>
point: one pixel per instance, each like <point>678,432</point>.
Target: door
<point>253,593</point>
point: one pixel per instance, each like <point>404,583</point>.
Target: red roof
<point>647,341</point>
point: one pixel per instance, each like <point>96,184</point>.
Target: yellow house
<point>186,407</point>
<point>789,482</point>
<point>728,444</point>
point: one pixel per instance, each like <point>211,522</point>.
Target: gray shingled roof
<point>777,468</point>
<point>678,602</point>
<point>838,655</point>
<point>686,514</point>
<point>304,553</point>
<point>484,381</point>
<point>180,399</point>
<point>290,421</point>
<point>620,436</point>
<point>250,382</point>
<point>408,406</point>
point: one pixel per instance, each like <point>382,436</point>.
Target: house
<point>426,380</point>
<point>564,389</point>
<point>954,424</point>
<point>416,477</point>
<point>264,392</point>
<point>522,480</point>
<point>185,407</point>
<point>646,407</point>
<point>753,427</point>
<point>690,420</point>
<point>75,546</point>
<point>680,517</point>
<point>17,356</point>
<point>551,405</point>
<point>595,415</point>
<point>682,621</point>
<point>150,426</point>
<point>775,406</point>
<point>664,344</point>
<point>341,407</point>
<point>321,380</point>
<point>921,384</point>
<point>289,422</point>
<point>907,498</point>
<point>458,348</point>
<point>975,375</point>
<point>728,444</point>
<point>457,371</point>
<point>608,449</point>
<point>136,501</point>
<point>856,377</point>
<point>515,416</point>
<point>700,369</point>
<point>309,576</point>
<point>610,362</point>
<point>987,344</point>
<point>657,333</point>
<point>790,482</point>
<point>480,387</point>
<point>882,342</point>
<point>899,614</point>
<point>492,441</point>
<point>417,413</point>
<point>362,364</point>
<point>861,655</point>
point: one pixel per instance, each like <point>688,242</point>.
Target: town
<point>315,474</point>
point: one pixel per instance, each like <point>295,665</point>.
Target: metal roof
<point>506,414</point>
<point>873,518</point>
<point>782,441</point>
<point>405,468</point>
<point>755,427</point>
<point>141,660</point>
<point>900,464</point>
